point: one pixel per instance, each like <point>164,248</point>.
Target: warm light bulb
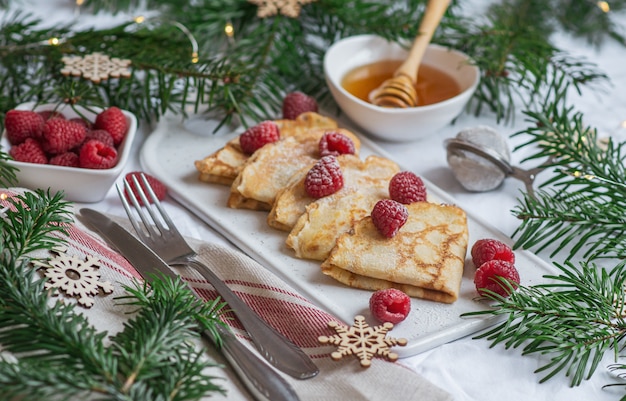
<point>139,19</point>
<point>229,30</point>
<point>623,124</point>
<point>3,210</point>
<point>79,2</point>
<point>604,6</point>
<point>194,57</point>
<point>53,41</point>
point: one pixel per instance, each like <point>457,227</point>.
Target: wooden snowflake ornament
<point>96,67</point>
<point>75,277</point>
<point>288,8</point>
<point>362,341</point>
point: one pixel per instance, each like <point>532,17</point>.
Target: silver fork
<point>161,235</point>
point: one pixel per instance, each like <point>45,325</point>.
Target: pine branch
<point>51,351</point>
<point>518,60</point>
<point>573,320</point>
<point>8,176</point>
<point>61,355</point>
<point>583,203</point>
<point>35,217</point>
<point>245,77</point>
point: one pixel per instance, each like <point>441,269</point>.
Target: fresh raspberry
<point>22,124</point>
<point>335,143</point>
<point>406,187</point>
<point>390,305</point>
<point>490,274</point>
<point>29,151</point>
<point>114,121</point>
<point>67,159</point>
<point>101,135</point>
<point>50,114</point>
<point>296,103</point>
<point>59,135</point>
<point>96,155</point>
<point>487,249</point>
<point>389,216</point>
<point>324,178</point>
<point>160,190</point>
<point>258,136</point>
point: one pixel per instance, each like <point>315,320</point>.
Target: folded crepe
<point>316,231</point>
<point>425,259</point>
<point>275,165</point>
<point>291,202</point>
<point>223,166</point>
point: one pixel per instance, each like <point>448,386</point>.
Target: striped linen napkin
<point>286,310</point>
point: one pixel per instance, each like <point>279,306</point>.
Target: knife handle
<point>263,382</point>
<point>276,348</point>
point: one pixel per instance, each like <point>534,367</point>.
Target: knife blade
<point>262,381</point>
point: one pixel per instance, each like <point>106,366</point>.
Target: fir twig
<point>8,175</point>
<point>246,76</point>
<point>52,352</point>
<point>583,204</point>
<point>573,320</point>
<point>35,216</point>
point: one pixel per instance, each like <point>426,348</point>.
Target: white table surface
<point>466,368</point>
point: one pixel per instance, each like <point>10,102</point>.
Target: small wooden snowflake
<point>75,277</point>
<point>288,8</point>
<point>96,67</point>
<point>363,341</point>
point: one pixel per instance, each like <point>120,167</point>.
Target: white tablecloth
<point>466,368</point>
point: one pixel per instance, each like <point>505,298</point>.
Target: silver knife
<point>263,382</point>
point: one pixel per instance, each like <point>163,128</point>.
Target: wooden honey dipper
<point>399,91</point>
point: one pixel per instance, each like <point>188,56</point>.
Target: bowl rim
<point>124,153</point>
<point>399,111</point>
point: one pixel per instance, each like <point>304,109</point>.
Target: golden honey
<point>432,86</point>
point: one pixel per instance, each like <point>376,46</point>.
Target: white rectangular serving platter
<point>169,154</point>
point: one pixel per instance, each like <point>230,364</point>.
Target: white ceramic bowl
<point>391,124</point>
<point>78,184</point>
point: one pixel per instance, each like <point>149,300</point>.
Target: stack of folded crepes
<point>426,258</point>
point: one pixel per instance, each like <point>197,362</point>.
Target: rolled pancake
<point>425,259</point>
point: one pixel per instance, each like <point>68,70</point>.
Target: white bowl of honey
<point>356,65</point>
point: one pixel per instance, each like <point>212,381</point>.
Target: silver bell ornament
<point>480,160</point>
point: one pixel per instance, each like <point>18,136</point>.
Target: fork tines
<point>131,191</point>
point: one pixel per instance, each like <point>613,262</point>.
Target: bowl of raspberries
<point>71,149</point>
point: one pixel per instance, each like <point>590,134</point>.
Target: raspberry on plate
<point>324,178</point>
<point>258,136</point>
<point>29,151</point>
<point>390,305</point>
<point>60,135</point>
<point>490,274</point>
<point>22,124</point>
<point>335,143</point>
<point>160,190</point>
<point>96,155</point>
<point>114,122</point>
<point>487,249</point>
<point>406,187</point>
<point>389,216</point>
<point>296,103</point>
